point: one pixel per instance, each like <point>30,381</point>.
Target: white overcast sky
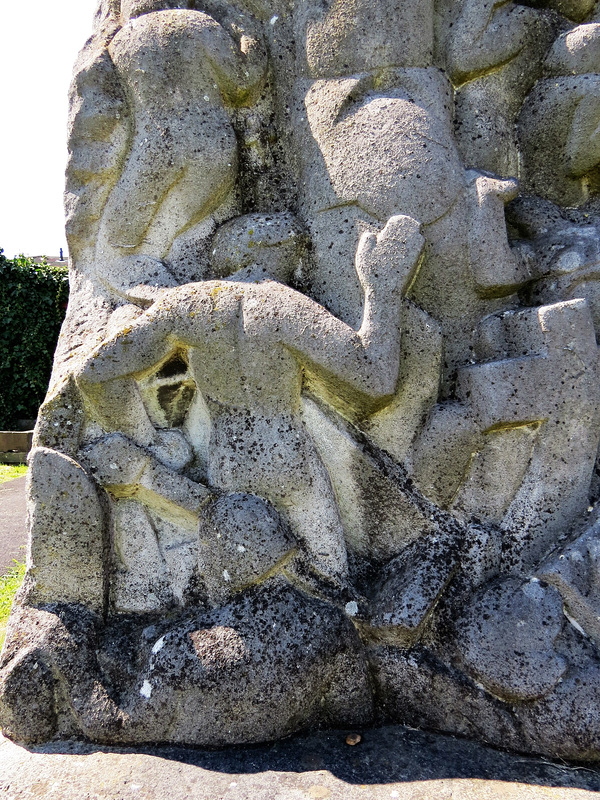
<point>39,41</point>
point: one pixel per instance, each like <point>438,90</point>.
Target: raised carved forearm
<point>366,360</point>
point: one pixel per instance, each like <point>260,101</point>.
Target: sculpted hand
<point>386,262</point>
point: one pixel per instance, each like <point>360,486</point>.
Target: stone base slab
<point>13,458</point>
<point>18,441</point>
<point>389,762</point>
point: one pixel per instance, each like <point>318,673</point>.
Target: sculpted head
<point>573,9</point>
<point>272,243</point>
<point>136,8</point>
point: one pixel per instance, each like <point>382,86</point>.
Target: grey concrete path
<point>390,762</point>
<point>13,531</point>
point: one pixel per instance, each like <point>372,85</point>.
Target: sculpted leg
<point>315,522</point>
<point>146,179</point>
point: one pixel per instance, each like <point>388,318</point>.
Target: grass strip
<point>9,472</point>
<point>9,584</point>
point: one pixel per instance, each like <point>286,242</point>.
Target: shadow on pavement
<point>386,755</point>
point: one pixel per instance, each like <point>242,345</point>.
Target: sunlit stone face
<point>320,444</point>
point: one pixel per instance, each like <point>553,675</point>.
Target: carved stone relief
<point>320,444</point>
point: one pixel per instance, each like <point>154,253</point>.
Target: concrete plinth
<point>390,762</point>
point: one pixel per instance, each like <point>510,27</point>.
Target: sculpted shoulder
<point>172,45</point>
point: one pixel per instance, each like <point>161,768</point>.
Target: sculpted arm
<point>366,360</point>
<point>98,141</point>
<point>107,379</point>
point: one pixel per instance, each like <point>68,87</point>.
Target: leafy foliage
<point>33,299</point>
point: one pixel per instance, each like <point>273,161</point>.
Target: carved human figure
<point>494,55</point>
<point>349,75</point>
<point>559,125</point>
<point>181,71</point>
<point>248,338</point>
<point>370,128</point>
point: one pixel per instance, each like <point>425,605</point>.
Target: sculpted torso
<point>181,70</point>
<point>248,340</point>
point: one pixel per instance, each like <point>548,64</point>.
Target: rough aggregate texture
<point>320,444</point>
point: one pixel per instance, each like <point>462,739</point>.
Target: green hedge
<point>33,300</point>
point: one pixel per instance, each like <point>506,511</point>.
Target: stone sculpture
<point>321,441</point>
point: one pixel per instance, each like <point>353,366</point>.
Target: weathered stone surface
<point>242,540</point>
<point>424,690</point>
<point>264,666</point>
<point>574,572</point>
<point>374,531</point>
<point>566,108</point>
<point>565,255</point>
<point>270,663</point>
<point>506,639</point>
<point>409,587</point>
<point>66,555</point>
<point>320,445</point>
<point>494,55</point>
<point>60,420</point>
<point>519,351</point>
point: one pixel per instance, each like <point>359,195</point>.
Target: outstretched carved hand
<point>386,262</point>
